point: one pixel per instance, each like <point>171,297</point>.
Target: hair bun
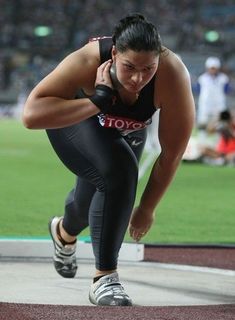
<point>135,17</point>
<point>135,32</point>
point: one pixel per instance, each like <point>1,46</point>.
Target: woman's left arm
<point>176,121</point>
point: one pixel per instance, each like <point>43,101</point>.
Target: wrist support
<point>103,97</point>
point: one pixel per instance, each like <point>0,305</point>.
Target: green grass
<point>198,207</point>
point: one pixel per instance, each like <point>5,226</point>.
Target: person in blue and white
<point>213,86</point>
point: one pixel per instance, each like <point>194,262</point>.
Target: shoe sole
<point>124,304</point>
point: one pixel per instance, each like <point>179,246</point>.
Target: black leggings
<point>106,166</point>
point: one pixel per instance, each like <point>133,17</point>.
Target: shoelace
<point>118,290</point>
<point>115,287</point>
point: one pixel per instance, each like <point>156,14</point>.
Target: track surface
<point>32,312</point>
<point>206,256</point>
<point>198,256</point>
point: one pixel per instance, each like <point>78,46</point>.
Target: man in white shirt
<point>213,87</point>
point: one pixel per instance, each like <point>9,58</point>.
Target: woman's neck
<point>127,97</point>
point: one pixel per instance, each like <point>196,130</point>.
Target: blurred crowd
<point>26,55</point>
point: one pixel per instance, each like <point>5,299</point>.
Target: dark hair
<point>136,33</point>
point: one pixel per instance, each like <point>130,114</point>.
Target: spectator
<point>224,152</point>
<point>213,86</point>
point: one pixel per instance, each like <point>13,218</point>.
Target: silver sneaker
<point>108,291</point>
<point>64,256</point>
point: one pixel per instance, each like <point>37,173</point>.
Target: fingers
<point>137,234</point>
<point>102,76</point>
<point>140,223</point>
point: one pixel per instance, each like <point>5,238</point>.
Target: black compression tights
<point>106,166</point>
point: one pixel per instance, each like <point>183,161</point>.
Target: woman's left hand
<point>140,223</point>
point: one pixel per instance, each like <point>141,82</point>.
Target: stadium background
<point>36,35</point>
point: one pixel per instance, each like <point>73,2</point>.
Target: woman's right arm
<point>52,103</point>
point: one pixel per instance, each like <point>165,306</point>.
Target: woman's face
<point>135,69</point>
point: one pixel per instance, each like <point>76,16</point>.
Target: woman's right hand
<point>103,75</point>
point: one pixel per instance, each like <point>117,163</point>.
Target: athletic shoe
<point>64,255</point>
<point>108,291</point>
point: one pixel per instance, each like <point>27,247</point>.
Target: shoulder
<point>224,77</point>
<point>80,66</point>
<point>174,98</point>
<point>203,76</point>
<point>77,70</point>
<point>171,67</point>
<point>85,56</point>
<point>204,80</point>
<point>172,75</point>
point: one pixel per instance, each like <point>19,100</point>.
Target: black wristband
<point>103,97</point>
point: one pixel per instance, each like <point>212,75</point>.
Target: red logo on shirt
<point>122,123</point>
